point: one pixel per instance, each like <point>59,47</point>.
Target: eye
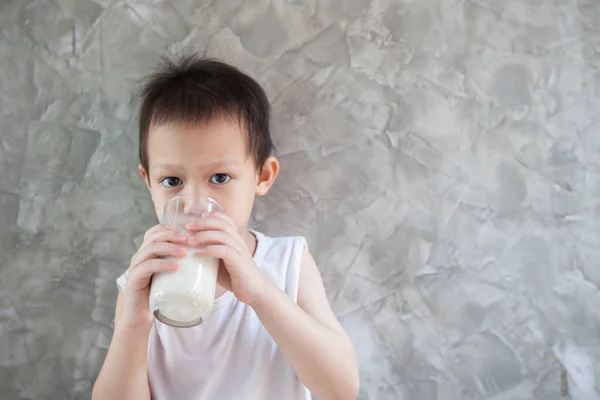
<point>171,182</point>
<point>220,179</point>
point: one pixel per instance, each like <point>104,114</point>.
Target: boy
<point>204,129</point>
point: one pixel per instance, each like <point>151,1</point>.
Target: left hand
<point>217,236</point>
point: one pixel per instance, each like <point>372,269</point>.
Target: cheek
<point>237,203</point>
<point>159,199</point>
<point>159,212</point>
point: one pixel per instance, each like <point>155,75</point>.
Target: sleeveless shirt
<point>230,355</point>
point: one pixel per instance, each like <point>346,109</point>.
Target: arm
<point>124,374</point>
<point>308,334</point>
<point>310,337</point>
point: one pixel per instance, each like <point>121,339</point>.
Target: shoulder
<point>277,249</point>
<point>276,239</point>
<point>281,259</point>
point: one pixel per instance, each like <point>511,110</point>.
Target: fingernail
<point>174,266</point>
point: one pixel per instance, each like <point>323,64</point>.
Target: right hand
<point>160,242</point>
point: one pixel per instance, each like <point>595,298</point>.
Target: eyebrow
<point>226,163</point>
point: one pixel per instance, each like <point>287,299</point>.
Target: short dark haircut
<point>193,89</point>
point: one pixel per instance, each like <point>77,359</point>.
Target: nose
<point>196,198</point>
<point>193,204</point>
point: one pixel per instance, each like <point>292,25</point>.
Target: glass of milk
<point>185,297</point>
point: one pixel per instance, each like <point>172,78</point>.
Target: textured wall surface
<point>441,156</point>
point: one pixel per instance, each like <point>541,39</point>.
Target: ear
<point>144,175</point>
<point>267,176</point>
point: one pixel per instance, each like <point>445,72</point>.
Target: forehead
<point>201,143</point>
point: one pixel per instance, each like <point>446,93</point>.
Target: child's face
<point>209,159</point>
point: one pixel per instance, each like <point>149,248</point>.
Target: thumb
<point>223,277</point>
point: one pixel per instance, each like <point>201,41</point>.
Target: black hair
<point>194,89</point>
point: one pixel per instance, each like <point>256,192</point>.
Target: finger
<point>216,237</point>
<point>230,257</point>
<point>164,235</point>
<point>208,224</point>
<point>152,233</point>
<point>140,276</point>
<point>157,250</point>
<point>155,229</point>
<point>223,278</point>
<point>222,216</point>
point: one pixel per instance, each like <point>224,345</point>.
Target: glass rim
<point>174,209</point>
<point>187,196</point>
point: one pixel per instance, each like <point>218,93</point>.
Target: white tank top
<point>230,355</point>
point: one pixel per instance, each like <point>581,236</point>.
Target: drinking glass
<point>185,297</point>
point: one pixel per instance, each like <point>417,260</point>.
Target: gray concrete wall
<point>441,156</point>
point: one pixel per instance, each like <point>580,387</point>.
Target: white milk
<point>185,296</point>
